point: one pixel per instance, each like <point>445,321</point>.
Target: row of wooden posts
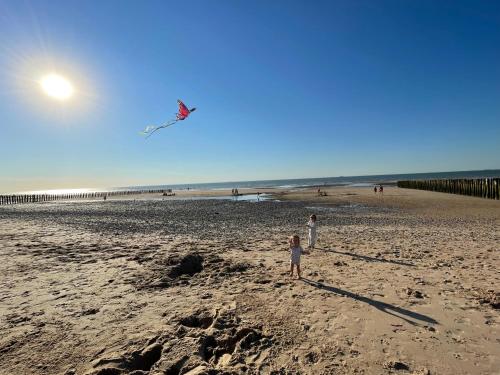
<point>32,198</point>
<point>478,187</point>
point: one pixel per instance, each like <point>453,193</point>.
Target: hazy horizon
<point>487,172</point>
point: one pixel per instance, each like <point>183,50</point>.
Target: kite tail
<point>151,129</point>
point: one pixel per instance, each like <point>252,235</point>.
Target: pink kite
<point>181,115</point>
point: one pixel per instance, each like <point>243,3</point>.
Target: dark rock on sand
<point>414,293</point>
<point>396,365</point>
<point>489,297</point>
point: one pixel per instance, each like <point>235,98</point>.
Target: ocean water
<point>240,198</point>
<point>292,183</point>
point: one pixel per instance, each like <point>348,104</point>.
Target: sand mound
<point>186,265</point>
<point>200,319</point>
<point>187,269</point>
<point>203,343</point>
<point>137,362</point>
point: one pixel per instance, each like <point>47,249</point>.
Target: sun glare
<point>56,86</point>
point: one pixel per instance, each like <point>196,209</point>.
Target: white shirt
<point>312,226</point>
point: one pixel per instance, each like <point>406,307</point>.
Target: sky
<point>283,89</point>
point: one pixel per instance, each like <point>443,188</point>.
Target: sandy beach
<point>404,283</point>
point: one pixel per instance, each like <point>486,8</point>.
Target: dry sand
<point>404,283</point>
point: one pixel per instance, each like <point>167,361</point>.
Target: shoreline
<point>384,179</point>
<point>223,193</point>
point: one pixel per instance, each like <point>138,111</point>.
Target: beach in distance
<point>399,282</point>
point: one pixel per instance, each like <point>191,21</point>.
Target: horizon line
<point>279,179</point>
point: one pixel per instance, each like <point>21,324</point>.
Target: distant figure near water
<point>381,189</point>
<point>375,189</point>
<point>321,193</point>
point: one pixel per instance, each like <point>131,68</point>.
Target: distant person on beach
<point>295,252</point>
<point>375,189</point>
<point>311,224</point>
<point>235,193</point>
<point>381,189</point>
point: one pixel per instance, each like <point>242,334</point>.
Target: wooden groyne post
<point>33,198</point>
<point>477,187</point>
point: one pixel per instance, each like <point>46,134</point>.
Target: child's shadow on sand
<point>382,306</point>
<point>369,259</point>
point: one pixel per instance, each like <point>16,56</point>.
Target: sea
<point>359,181</point>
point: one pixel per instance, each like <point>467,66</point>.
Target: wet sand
<point>404,283</point>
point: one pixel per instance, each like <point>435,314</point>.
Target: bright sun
<point>56,86</point>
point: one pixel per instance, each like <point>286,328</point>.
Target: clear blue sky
<point>284,89</point>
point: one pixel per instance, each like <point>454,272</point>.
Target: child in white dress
<point>312,225</point>
<point>295,252</point>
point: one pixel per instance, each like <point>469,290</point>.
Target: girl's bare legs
<point>298,270</point>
